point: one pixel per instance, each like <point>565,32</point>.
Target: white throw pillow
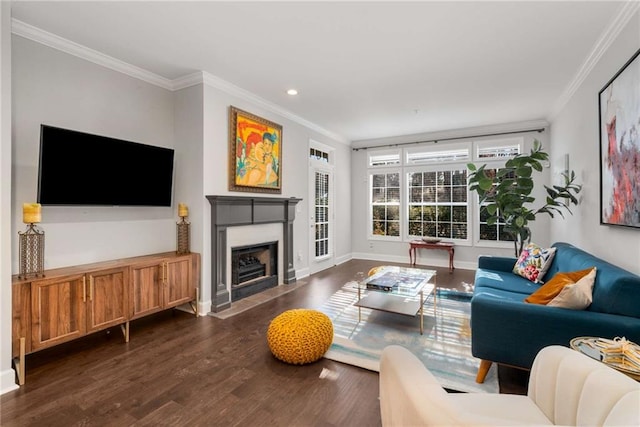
<point>577,296</point>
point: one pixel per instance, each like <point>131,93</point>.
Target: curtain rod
<point>539,130</point>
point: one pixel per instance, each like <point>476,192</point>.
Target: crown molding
<point>462,133</point>
<point>46,38</point>
<point>608,36</point>
<point>200,77</point>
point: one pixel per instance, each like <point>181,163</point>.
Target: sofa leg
<point>485,365</point>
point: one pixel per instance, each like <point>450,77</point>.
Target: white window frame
<point>371,236</point>
<point>392,154</point>
<point>435,168</point>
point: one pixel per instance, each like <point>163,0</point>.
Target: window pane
<point>444,178</point>
<point>459,177</point>
<point>444,213</point>
<point>430,178</point>
<point>459,194</point>
<point>416,195</point>
<point>393,180</point>
<point>378,195</point>
<point>429,194</point>
<point>415,213</point>
<point>459,231</point>
<point>488,232</point>
<point>378,228</point>
<point>393,213</point>
<point>429,229</point>
<point>393,195</point>
<point>378,180</point>
<point>444,230</point>
<point>379,213</point>
<point>415,179</point>
<point>459,214</point>
<point>429,213</point>
<point>393,228</point>
<point>415,228</point>
<point>444,194</point>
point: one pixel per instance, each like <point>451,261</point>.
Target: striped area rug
<point>445,346</point>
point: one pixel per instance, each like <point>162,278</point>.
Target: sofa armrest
<point>496,263</point>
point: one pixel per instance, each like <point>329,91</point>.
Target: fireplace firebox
<point>254,268</point>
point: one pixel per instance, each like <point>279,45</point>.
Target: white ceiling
<point>363,69</point>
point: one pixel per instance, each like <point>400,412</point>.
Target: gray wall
<point>58,89</point>
<point>575,131</point>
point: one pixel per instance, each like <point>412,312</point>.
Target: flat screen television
<point>82,169</point>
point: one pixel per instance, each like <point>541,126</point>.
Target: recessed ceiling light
<point>292,92</point>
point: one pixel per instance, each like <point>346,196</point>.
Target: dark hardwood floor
<point>179,370</point>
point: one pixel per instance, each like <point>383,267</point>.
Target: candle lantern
<point>183,230</point>
<point>31,243</point>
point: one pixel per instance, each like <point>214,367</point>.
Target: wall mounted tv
<point>81,169</point>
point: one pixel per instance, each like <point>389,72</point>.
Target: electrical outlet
<point>370,245</point>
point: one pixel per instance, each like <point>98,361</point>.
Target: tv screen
<point>78,168</point>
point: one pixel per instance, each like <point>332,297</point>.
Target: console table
<point>445,246</point>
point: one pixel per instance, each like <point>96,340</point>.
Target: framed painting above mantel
<point>619,111</point>
<point>255,153</point>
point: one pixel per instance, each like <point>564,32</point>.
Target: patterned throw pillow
<point>534,262</point>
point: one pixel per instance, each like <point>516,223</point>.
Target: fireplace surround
<point>236,211</point>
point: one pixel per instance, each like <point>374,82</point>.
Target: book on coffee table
<point>391,280</point>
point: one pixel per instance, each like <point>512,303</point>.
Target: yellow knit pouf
<point>300,336</point>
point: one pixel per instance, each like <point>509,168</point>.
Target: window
<point>385,204</point>
<point>422,191</point>
<point>315,154</point>
<point>493,232</point>
<point>384,158</point>
<point>437,203</point>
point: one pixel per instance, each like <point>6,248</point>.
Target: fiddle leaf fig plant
<point>505,194</point>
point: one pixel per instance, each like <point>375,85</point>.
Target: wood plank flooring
<point>178,370</point>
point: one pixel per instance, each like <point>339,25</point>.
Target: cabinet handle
<point>84,289</point>
<point>90,288</point>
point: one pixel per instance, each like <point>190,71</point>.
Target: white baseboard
<point>302,273</point>
<point>344,258</point>
<point>7,381</point>
<point>422,262</point>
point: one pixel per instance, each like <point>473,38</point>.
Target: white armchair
<point>565,388</point>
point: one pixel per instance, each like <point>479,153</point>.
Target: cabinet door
<point>178,281</point>
<point>58,311</point>
<point>146,289</point>
<point>107,302</point>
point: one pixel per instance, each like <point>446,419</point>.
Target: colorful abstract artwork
<point>620,147</point>
<point>255,153</point>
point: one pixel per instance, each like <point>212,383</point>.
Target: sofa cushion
<point>534,262</point>
<point>504,280</point>
<point>576,296</point>
<point>550,290</point>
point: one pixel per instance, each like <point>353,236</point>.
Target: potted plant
<point>505,193</point>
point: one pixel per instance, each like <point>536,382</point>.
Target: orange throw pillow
<point>553,287</point>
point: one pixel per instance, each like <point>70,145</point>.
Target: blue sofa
<point>507,330</point>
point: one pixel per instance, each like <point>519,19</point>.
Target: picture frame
<point>619,111</point>
<point>255,153</point>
